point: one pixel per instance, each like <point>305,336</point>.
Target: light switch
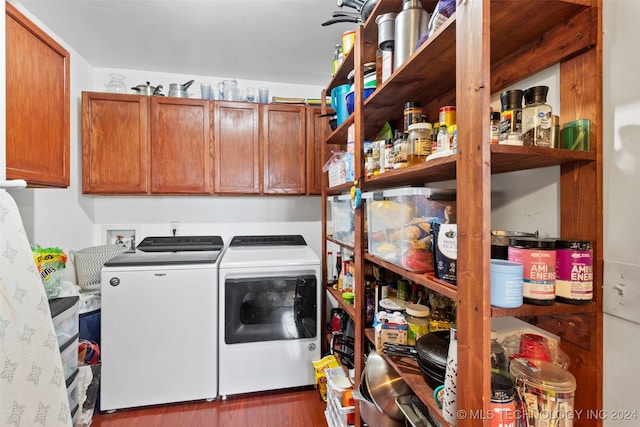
<point>621,293</point>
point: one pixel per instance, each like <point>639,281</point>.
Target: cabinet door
<point>181,146</point>
<point>237,148</point>
<point>282,134</point>
<point>115,143</point>
<point>37,102</point>
<point>317,133</point>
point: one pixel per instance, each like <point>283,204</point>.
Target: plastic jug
<point>339,102</point>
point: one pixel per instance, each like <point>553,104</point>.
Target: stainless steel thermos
<point>411,23</point>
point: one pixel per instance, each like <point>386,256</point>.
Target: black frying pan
<point>363,7</point>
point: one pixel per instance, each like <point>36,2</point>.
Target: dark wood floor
<point>295,407</point>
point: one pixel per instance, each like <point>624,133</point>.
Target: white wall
<point>621,137</point>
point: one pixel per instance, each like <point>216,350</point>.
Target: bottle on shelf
<point>389,157</point>
<point>338,270</point>
<point>399,150</point>
<point>338,56</point>
<point>330,268</point>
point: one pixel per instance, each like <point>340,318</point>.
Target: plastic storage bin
<point>336,414</point>
<point>399,224</point>
<point>342,219</point>
<point>64,312</point>
<point>69,354</point>
<point>72,389</point>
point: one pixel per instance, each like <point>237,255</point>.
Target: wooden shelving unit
<point>485,47</point>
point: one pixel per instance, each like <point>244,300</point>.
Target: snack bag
<point>50,262</point>
<point>320,367</point>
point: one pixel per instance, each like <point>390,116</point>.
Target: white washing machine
<point>270,332</point>
<point>159,323</point>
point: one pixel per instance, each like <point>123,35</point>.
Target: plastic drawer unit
<point>65,316</point>
<point>64,312</point>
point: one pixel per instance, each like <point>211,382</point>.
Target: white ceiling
<point>270,40</point>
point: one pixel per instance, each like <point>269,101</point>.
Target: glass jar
<point>116,85</point>
<point>419,143</point>
<point>399,151</point>
<point>536,118</point>
<point>417,317</point>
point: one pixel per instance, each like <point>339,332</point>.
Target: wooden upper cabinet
<point>282,135</point>
<point>318,131</point>
<point>181,146</point>
<point>115,143</point>
<point>37,104</point>
<point>237,148</point>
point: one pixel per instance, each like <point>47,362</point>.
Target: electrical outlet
<point>175,228</point>
<point>621,290</point>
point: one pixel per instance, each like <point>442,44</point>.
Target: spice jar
<point>418,143</point>
<point>495,127</point>
<point>417,317</point>
<point>399,150</point>
<point>511,117</point>
<point>536,117</point>
<point>412,114</point>
<point>574,271</point>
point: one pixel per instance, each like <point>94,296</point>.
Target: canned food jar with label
<point>538,256</point>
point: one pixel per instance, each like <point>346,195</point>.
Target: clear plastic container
<point>399,224</point>
<point>548,390</point>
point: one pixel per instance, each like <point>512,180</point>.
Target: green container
<point>576,135</point>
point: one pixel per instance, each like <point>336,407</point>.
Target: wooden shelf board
<point>544,310</point>
<point>424,279</point>
<point>349,247</point>
<point>504,158</point>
